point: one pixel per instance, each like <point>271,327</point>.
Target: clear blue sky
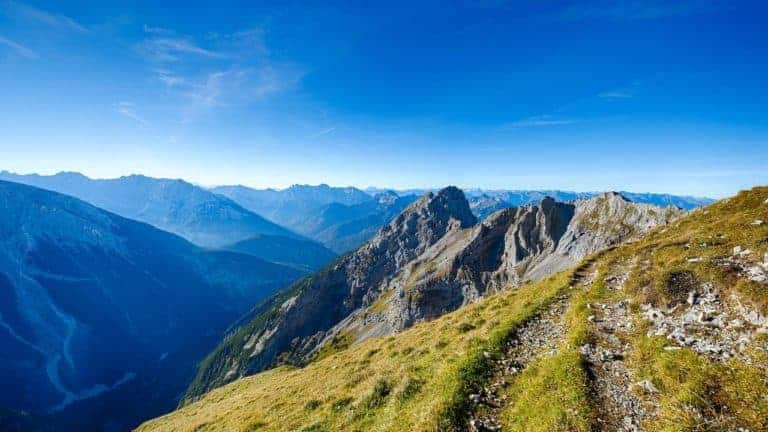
<point>588,95</point>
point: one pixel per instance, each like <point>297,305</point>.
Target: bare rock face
<point>431,259</point>
<point>510,247</point>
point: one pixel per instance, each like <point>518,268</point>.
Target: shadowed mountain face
<point>103,319</point>
<point>345,227</point>
<point>306,255</point>
<point>432,258</point>
<point>202,217</point>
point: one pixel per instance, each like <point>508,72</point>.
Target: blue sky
<point>586,95</point>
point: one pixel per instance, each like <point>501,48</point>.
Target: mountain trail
<point>538,337</point>
<point>610,383</point>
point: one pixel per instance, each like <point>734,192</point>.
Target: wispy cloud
<point>236,86</point>
<point>250,42</point>
<point>324,132</point>
<point>171,49</point>
<point>626,92</point>
<point>127,109</point>
<point>616,94</point>
<point>156,30</point>
<point>170,79</point>
<point>220,70</point>
<point>618,10</point>
<point>19,49</point>
<point>50,19</point>
<point>539,121</point>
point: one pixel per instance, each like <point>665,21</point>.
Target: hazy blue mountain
<point>305,254</point>
<point>683,202</point>
<point>345,227</point>
<point>339,217</point>
<point>482,206</point>
<point>102,318</point>
<point>192,212</point>
<point>289,206</point>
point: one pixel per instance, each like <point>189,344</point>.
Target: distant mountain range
<point>340,218</point>
<point>303,254</point>
<point>102,318</point>
<point>514,198</point>
<point>344,218</point>
<point>199,215</point>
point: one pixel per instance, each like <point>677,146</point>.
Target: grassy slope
<point>418,380</point>
<point>412,381</point>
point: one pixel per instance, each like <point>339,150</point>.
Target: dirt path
<point>610,382</point>
<point>538,337</point>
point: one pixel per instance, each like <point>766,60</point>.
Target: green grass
<point>549,395</point>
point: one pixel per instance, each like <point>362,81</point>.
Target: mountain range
<point>432,258</point>
<point>102,318</point>
<point>200,216</point>
<point>344,218</point>
<point>339,218</point>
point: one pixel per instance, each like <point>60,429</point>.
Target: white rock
<point>736,250</point>
<point>647,386</point>
<point>757,222</point>
<point>695,260</point>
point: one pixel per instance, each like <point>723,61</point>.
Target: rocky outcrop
<point>431,259</point>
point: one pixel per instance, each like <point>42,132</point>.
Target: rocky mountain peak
<point>447,204</point>
<point>547,203</point>
<point>613,196</point>
<point>386,197</point>
<point>417,227</point>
